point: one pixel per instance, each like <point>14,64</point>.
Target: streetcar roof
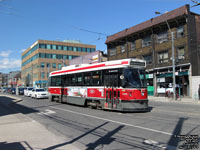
<point>137,63</point>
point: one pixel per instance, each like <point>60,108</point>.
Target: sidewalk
<point>19,132</point>
<point>166,99</point>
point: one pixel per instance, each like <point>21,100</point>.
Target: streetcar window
<point>87,78</point>
<point>73,80</point>
<point>134,78</point>
<point>96,78</point>
<point>79,79</point>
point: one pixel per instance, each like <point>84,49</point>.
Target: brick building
<point>13,78</point>
<point>45,56</point>
<point>151,40</point>
<point>3,80</point>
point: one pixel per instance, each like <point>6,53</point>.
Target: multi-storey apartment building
<point>45,56</point>
<point>151,40</point>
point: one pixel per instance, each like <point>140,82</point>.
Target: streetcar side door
<point>112,84</point>
<point>65,82</point>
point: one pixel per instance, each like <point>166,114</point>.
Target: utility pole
<point>173,58</point>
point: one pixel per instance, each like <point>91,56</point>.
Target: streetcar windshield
<point>134,78</point>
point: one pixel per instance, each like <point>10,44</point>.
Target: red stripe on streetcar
<point>124,62</point>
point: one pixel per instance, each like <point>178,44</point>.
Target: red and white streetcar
<point>115,85</point>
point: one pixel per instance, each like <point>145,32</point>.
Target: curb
<point>163,99</point>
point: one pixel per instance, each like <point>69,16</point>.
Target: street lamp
<point>173,58</point>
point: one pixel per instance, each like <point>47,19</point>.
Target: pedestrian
<point>199,91</point>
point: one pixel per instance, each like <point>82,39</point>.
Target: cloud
<point>22,50</point>
<point>10,63</point>
<point>5,53</point>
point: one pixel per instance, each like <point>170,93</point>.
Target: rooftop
<point>184,10</point>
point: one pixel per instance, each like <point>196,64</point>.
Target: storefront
<point>40,84</point>
<point>165,83</point>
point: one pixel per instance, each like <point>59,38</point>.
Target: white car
<point>27,91</point>
<point>39,93</point>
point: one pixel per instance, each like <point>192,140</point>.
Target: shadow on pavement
<point>75,139</point>
<point>174,141</point>
<point>8,108</point>
<point>105,140</point>
<point>12,146</point>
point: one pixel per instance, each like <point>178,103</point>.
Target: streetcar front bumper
<point>134,105</point>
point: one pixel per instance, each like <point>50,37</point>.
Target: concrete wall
<point>195,85</point>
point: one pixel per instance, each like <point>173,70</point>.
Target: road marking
<point>47,112</point>
<point>121,123</point>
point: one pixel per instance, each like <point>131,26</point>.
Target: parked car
<point>13,91</point>
<point>27,91</point>
<point>9,90</point>
<point>39,93</point>
<point>21,91</point>
<point>4,89</point>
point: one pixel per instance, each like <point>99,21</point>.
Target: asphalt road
<point>166,126</point>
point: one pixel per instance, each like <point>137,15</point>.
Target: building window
<point>48,46</point>
<point>146,41</point>
<point>84,49</point>
<point>54,56</point>
<point>163,57</point>
<point>69,48</point>
<point>53,46</point>
<point>122,48</point>
<point>79,49</point>
<point>181,52</point>
<point>48,65</point>
<point>42,45</point>
<point>92,49</point>
<point>148,59</point>
<point>42,55</point>
<point>42,75</point>
<point>59,56</point>
<point>42,64</point>
<point>65,48</point>
<point>133,46</point>
<point>180,31</point>
<point>88,50</point>
<point>53,65</point>
<point>64,57</point>
<point>48,55</point>
<point>74,49</point>
<point>59,66</point>
<point>162,37</point>
<point>60,47</point>
<point>113,51</point>
<point>70,57</point>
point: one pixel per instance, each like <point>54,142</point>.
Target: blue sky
<point>22,22</point>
